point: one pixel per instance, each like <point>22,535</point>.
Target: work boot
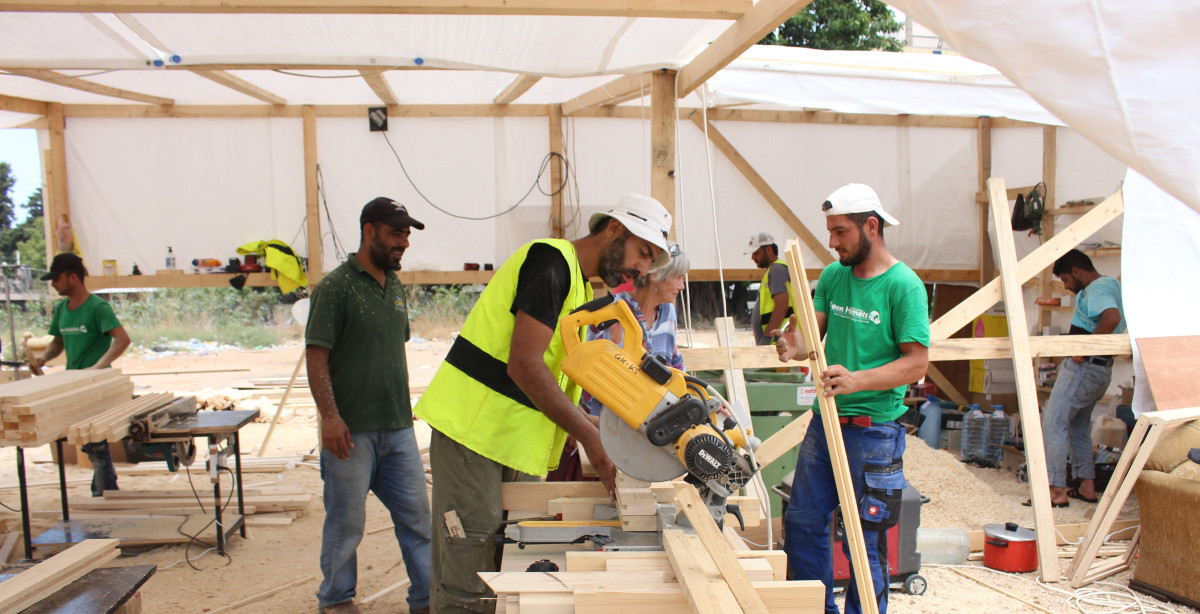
<point>345,607</point>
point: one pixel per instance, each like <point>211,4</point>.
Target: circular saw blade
<point>633,454</point>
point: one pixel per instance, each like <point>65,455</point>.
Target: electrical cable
<point>1086,599</point>
<point>9,508</point>
<point>536,184</point>
<point>195,539</point>
<point>338,250</point>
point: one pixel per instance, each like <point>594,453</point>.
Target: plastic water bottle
<point>997,430</point>
<point>974,436</point>
<point>931,426</point>
<point>170,259</point>
<point>943,546</point>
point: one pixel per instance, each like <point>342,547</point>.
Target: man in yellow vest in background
<point>776,300</point>
<point>501,408</point>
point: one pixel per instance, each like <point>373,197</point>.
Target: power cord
<point>536,183</point>
<point>1088,600</point>
<point>195,539</point>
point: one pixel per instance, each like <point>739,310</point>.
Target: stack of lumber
<point>47,577</point>
<point>276,505</point>
<point>250,464</point>
<point>265,400</point>
<point>41,410</point>
<point>113,425</point>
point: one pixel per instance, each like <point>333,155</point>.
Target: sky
<point>19,147</point>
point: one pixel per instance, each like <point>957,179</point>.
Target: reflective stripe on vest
<point>472,399</point>
<point>766,302</point>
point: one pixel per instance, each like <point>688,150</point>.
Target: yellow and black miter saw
<point>658,422</point>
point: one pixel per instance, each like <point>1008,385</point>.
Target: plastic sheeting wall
<point>205,186</point>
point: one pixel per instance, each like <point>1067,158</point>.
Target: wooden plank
<point>516,88</point>
<point>795,597</point>
<point>944,385</point>
<point>1171,367</point>
<point>663,117</point>
<point>681,9</point>
<point>537,495</point>
<point>576,508</point>
<point>706,529</point>
<point>57,78</point>
<point>312,209</point>
<point>1035,451</point>
<point>764,189</point>
<point>378,83</point>
<point>696,573</point>
<point>1030,265</point>
<point>1039,346</point>
<point>744,33</point>
<point>16,104</point>
<point>380,593</point>
<point>783,440</point>
<point>833,432</point>
<point>42,580</point>
<point>263,595</point>
<point>562,581</point>
<point>1050,180</point>
<point>735,381</point>
<point>634,497</point>
<point>58,203</point>
<point>241,85</point>
<point>10,545</point>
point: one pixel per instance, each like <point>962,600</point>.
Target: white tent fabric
<point>1124,73</point>
<point>872,82</point>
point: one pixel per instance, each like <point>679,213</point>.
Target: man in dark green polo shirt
<point>358,374</point>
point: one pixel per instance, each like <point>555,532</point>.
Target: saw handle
<point>602,313</point>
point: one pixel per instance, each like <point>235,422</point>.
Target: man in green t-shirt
<point>85,327</point>
<point>358,374</point>
<point>873,312</point>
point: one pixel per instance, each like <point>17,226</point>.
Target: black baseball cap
<point>388,211</point>
<point>65,263</point>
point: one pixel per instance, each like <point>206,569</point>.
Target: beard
<point>381,256</point>
<point>612,263</point>
<point>860,253</point>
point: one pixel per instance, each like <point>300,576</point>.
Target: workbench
<point>216,426</point>
<point>101,591</point>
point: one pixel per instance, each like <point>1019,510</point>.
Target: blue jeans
<point>1067,419</point>
<point>387,463</point>
<point>104,474</point>
<point>814,497</point>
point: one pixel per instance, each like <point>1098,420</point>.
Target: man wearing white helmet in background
<point>873,312</point>
<point>501,408</point>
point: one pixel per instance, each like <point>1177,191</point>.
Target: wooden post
<point>662,141</point>
<point>556,172</point>
<point>833,434</point>
<point>58,205</point>
<point>985,171</point>
<point>1050,178</point>
<point>312,208</point>
<point>282,402</point>
<point>1027,400</point>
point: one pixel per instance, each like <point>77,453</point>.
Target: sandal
<point>1074,494</point>
<point>1029,503</point>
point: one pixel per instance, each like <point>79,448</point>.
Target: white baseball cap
<point>758,240</point>
<point>856,198</point>
<point>645,218</point>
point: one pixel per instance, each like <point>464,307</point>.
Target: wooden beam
<point>695,571</point>
<point>743,34</point>
<point>58,205</point>
<point>1030,265</point>
<point>680,9</point>
<point>379,85</point>
<point>1035,451</point>
<point>1050,178</point>
<point>718,549</point>
<point>1039,346</point>
<point>783,440</point>
<point>781,597</point>
<point>663,116</point>
<point>57,78</point>
<point>43,580</point>
<point>240,85</point>
<point>516,88</point>
<point>764,189</point>
<point>945,386</point>
<point>22,105</point>
<point>984,138</point>
<point>833,434</point>
<point>557,151</point>
<point>536,496</point>
<point>312,205</point>
<point>614,92</point>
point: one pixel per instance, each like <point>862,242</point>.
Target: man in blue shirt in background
<point>1082,380</point>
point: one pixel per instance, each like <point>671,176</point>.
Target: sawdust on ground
<point>961,496</point>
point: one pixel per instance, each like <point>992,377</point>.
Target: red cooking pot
<point>1009,547</point>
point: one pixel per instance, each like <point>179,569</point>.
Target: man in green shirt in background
<point>85,327</point>
<point>874,314</point>
<point>358,374</point>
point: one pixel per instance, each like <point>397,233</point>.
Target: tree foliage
<point>27,238</point>
<point>859,25</point>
